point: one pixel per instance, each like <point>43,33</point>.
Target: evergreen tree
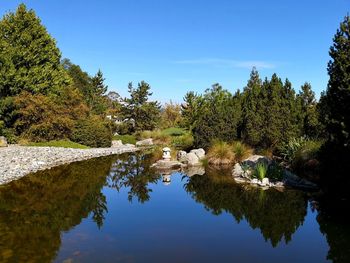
<point>252,110</point>
<point>29,57</point>
<point>309,110</point>
<point>335,102</point>
<point>337,97</point>
<point>219,115</point>
<point>189,109</point>
<point>143,113</point>
<point>99,103</point>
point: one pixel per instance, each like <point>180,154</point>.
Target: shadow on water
<point>36,210</point>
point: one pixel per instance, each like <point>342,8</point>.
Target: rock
<point>146,142</point>
<point>129,145</point>
<point>117,143</point>
<point>192,159</point>
<point>181,156</point>
<point>3,141</point>
<point>254,181</point>
<point>199,152</point>
<point>265,182</point>
<point>241,180</point>
<point>295,181</point>
<point>237,170</point>
<point>254,159</point>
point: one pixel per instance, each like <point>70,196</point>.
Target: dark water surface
<point>116,209</point>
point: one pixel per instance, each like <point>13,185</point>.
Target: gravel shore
<point>18,161</point>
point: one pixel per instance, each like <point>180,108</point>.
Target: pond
<point>117,209</point>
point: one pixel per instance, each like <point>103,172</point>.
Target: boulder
<point>199,152</point>
<point>192,159</point>
<point>254,159</point>
<point>265,182</point>
<point>117,143</point>
<point>295,181</point>
<point>167,165</point>
<point>3,141</point>
<point>237,170</point>
<point>145,142</point>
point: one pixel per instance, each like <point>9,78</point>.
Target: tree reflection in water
<point>37,208</point>
<point>277,215</point>
<point>133,172</point>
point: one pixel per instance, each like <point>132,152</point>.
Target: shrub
<point>124,128</point>
<point>275,172</point>
<point>92,132</point>
<point>260,170</point>
<point>241,151</point>
<point>61,143</point>
<point>308,151</point>
<point>221,153</point>
<point>184,142</point>
<point>289,149</point>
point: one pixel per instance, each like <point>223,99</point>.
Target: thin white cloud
<point>228,63</point>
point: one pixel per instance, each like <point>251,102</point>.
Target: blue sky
<point>183,45</point>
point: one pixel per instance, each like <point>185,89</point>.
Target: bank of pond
<point>119,209</point>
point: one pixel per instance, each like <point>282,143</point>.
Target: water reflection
<point>133,172</point>
<point>277,215</point>
<point>36,210</point>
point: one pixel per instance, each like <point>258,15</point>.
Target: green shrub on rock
<point>92,132</point>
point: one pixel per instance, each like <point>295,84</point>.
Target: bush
<point>92,132</point>
<point>220,153</point>
<point>289,149</point>
<point>308,151</point>
<point>124,128</point>
<point>184,142</point>
<point>275,172</point>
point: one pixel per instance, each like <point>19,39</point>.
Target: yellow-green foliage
<point>61,143</point>
<point>131,139</point>
<point>221,153</point>
<point>241,151</point>
<point>225,153</point>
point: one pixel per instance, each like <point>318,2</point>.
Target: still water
<point>116,209</point>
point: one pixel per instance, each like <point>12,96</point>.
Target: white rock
<point>117,143</point>
<point>199,152</point>
<point>145,142</point>
<point>254,181</point>
<point>192,159</point>
<point>237,170</point>
<point>265,181</point>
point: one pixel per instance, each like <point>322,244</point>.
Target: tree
<point>310,116</point>
<point>29,57</point>
<point>335,102</point>
<point>219,115</point>
<point>252,110</point>
<point>145,114</point>
<point>171,115</point>
<point>99,103</point>
<point>337,97</point>
<point>189,109</point>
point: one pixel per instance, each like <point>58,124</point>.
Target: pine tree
<point>29,57</point>
<point>310,117</point>
<point>337,96</point>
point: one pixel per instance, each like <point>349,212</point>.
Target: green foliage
<point>29,58</point>
<point>142,113</point>
<point>275,172</point>
<point>260,170</point>
<point>61,143</point>
<point>184,142</point>
<point>131,139</point>
<point>309,112</point>
<point>290,148</point>
<point>92,132</point>
<point>190,110</point>
<point>271,112</point>
<point>218,117</point>
<point>173,131</point>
